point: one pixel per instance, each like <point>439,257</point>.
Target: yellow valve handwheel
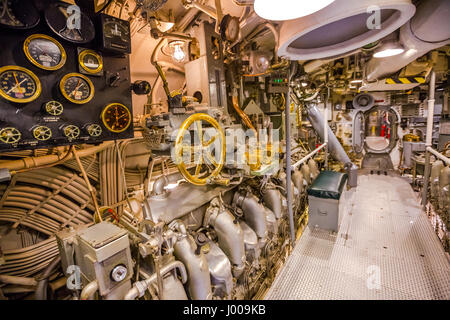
<point>205,159</point>
<point>42,133</point>
<point>10,135</point>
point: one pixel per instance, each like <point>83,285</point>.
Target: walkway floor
<point>385,249</point>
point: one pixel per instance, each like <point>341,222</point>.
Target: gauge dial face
<point>116,117</point>
<point>44,52</point>
<point>232,29</point>
<point>7,17</point>
<point>57,16</point>
<point>113,29</point>
<point>18,14</point>
<point>18,84</point>
<point>90,61</point>
<point>77,88</point>
<point>115,34</point>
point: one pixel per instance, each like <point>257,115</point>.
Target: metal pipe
<point>439,155</point>
<point>140,287</point>
<point>89,290</point>
<point>210,11</point>
<point>41,288</point>
<point>429,138</point>
<point>31,162</point>
<point>309,156</point>
<point>23,281</point>
<point>287,125</point>
<point>325,126</point>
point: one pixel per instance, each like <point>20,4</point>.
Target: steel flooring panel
<point>385,249</point>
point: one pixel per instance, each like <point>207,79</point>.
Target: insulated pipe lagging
<point>334,147</point>
<point>231,239</point>
<point>272,200</point>
<point>199,281</point>
<point>254,213</point>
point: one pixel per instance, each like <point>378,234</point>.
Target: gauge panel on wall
<point>47,97</point>
<point>116,117</point>
<point>77,88</point>
<point>115,34</point>
<point>90,62</point>
<point>44,52</point>
<point>18,14</point>
<point>57,16</point>
<point>19,85</point>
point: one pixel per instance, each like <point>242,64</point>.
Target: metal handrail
<point>306,158</point>
<point>439,155</point>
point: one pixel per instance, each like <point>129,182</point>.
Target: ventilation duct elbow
<point>342,27</point>
<point>429,29</point>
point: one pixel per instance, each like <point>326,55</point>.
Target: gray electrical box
<point>102,252</point>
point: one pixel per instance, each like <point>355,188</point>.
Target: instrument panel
<point>58,85</point>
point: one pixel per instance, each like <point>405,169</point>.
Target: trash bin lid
<point>328,185</point>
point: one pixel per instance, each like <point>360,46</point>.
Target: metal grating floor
<point>385,249</point>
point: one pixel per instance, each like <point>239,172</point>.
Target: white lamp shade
<point>279,10</point>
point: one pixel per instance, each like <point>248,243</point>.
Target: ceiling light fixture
<point>280,10</point>
<point>177,50</point>
<point>389,49</point>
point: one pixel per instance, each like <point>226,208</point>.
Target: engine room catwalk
<point>385,249</point>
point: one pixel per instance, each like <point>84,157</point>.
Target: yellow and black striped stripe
<point>407,80</point>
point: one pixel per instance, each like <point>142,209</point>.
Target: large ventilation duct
<point>334,147</point>
<point>429,29</point>
<point>342,27</point>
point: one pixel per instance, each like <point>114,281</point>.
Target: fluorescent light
<point>389,53</point>
<point>356,81</point>
<point>389,49</point>
<point>279,10</point>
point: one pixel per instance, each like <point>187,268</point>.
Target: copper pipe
<point>242,114</point>
<point>31,162</point>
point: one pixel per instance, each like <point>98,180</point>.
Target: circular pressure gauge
<point>116,117</point>
<point>44,52</point>
<point>77,88</point>
<point>61,18</point>
<point>90,61</point>
<point>18,84</point>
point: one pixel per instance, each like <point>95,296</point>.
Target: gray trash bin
<point>326,200</point>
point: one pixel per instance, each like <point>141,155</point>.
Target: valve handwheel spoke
<point>200,153</point>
